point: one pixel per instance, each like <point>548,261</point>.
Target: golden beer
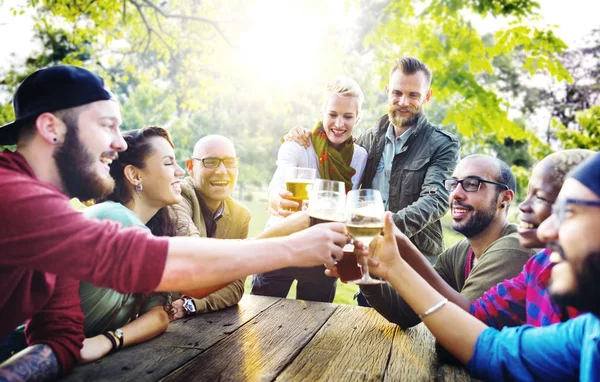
<point>365,231</point>
<point>362,232</point>
<point>300,190</point>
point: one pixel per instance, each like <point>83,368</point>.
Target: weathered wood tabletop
<point>273,339</point>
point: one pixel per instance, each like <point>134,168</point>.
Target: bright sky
<point>290,38</point>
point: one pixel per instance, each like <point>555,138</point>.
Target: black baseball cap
<point>52,89</point>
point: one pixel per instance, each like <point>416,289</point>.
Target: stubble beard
<point>477,223</point>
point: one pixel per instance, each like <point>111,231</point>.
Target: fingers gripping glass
<point>229,162</point>
<point>469,184</point>
<point>364,221</point>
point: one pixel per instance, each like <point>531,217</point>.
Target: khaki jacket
<point>232,225</point>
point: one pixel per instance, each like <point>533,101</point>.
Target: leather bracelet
<point>433,309</point>
<point>112,340</point>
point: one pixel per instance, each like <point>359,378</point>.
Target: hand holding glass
<point>364,221</point>
<point>298,181</point>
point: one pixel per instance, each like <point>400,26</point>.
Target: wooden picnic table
<point>274,339</point>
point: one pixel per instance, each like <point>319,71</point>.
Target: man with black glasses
<point>208,210</point>
<point>481,190</point>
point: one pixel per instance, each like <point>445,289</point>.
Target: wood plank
<point>183,340</point>
<point>136,363</point>
<point>452,373</point>
<point>260,349</point>
<point>412,355</point>
<point>204,330</point>
<point>353,345</point>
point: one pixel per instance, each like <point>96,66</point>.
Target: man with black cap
<point>67,134</point>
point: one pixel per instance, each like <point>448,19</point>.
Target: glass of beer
<point>364,221</point>
<point>326,201</point>
<point>298,181</point>
<point>348,268</point>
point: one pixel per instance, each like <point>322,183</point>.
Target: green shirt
<point>106,309</point>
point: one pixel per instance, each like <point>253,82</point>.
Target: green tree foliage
<point>585,135</point>
<point>171,64</point>
<point>439,33</point>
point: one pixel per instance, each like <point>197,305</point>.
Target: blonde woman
<point>334,155</point>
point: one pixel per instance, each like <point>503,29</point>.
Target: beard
<point>398,120</point>
<point>586,296</point>
<point>478,221</point>
<point>75,166</point>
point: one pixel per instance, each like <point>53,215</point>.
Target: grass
<point>345,292</point>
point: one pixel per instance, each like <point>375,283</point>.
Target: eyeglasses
<point>469,184</point>
<point>559,209</point>
<point>229,162</point>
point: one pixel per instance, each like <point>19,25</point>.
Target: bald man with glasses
<point>481,191</point>
<point>208,210</point>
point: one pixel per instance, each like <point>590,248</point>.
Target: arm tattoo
<point>36,363</point>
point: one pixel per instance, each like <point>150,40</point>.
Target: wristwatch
<point>189,305</point>
<point>119,335</point>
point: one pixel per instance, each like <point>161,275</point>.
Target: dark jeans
<point>13,343</point>
<point>361,300</point>
<point>313,285</point>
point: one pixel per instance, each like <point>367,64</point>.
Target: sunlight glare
<point>284,41</point>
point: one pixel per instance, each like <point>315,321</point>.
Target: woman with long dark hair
<point>147,181</point>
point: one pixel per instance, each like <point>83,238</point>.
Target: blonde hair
<point>345,87</point>
<point>561,162</point>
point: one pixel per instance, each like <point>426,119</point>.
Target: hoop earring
<point>138,190</point>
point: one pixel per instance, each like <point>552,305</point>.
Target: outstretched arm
<point>197,263</point>
<point>36,363</point>
<point>454,328</point>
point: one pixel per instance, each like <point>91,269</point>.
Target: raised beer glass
<point>364,221</point>
<point>298,181</point>
<point>326,201</point>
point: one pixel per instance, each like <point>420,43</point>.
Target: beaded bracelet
<point>433,309</point>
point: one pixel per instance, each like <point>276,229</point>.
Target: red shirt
<point>522,300</point>
<point>46,247</point>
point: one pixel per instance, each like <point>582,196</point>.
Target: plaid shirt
<point>523,299</point>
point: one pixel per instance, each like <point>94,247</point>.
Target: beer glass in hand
<point>364,221</point>
<point>326,201</point>
<point>298,181</point>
